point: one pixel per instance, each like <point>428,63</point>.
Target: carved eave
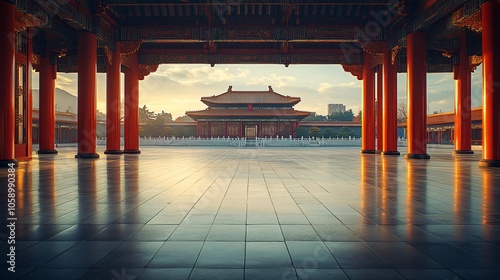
<point>124,60</point>
<point>394,54</point>
<point>128,47</point>
<point>146,69</point>
<point>377,60</point>
<point>375,47</point>
<point>355,69</point>
<point>475,61</point>
<point>35,61</point>
<point>23,21</point>
<point>472,21</point>
<point>109,54</point>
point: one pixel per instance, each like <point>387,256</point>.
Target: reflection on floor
<point>269,213</point>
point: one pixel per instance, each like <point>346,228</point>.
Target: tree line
<point>346,116</point>
<point>157,124</point>
<point>315,131</point>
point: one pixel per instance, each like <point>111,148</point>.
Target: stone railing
<point>252,142</point>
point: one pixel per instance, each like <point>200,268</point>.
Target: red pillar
<point>417,95</point>
<point>491,83</point>
<point>113,103</point>
<point>87,65</point>
<point>368,114</point>
<point>463,118</point>
<point>390,101</point>
<point>29,93</point>
<point>131,120</point>
<point>47,119</point>
<point>380,133</point>
<point>294,128</point>
<point>7,58</point>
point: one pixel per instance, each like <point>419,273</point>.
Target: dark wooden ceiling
<point>255,31</point>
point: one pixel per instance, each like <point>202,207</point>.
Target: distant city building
<point>336,108</point>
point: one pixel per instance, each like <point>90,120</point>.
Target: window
<point>20,104</point>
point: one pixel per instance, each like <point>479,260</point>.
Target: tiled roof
<point>60,116</point>
<point>330,124</point>
<point>250,97</point>
<point>220,113</point>
<point>449,117</point>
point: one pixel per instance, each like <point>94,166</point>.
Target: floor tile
<point>369,274</point>
<point>299,232</point>
<point>478,274</point>
<point>85,254</point>
<point>264,233</point>
<point>355,255</point>
<point>429,273</point>
<point>321,274</point>
<point>153,233</point>
<point>308,255</point>
<point>214,273</point>
<point>131,254</point>
<point>177,254</point>
<point>165,273</point>
<point>270,274</point>
<point>227,233</point>
<point>53,273</point>
<point>190,233</point>
<point>267,255</point>
<point>222,255</point>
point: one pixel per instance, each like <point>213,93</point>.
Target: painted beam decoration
<point>254,58</point>
<point>241,34</point>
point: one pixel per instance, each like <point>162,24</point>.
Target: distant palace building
<point>248,114</point>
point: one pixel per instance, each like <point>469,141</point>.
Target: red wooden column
<point>390,101</point>
<point>368,114</point>
<point>380,89</point>
<point>491,83</point>
<point>29,93</point>
<point>87,66</point>
<point>294,128</point>
<point>417,95</point>
<point>131,119</point>
<point>463,118</point>
<point>47,119</point>
<point>7,58</point>
<point>113,103</point>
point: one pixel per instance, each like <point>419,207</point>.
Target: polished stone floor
<point>265,213</point>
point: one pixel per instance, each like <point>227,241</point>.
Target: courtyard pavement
<point>253,213</point>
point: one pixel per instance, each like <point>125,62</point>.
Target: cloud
<point>274,80</point>
<point>201,74</point>
<point>67,82</point>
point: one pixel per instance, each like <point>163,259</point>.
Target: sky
<point>177,88</point>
